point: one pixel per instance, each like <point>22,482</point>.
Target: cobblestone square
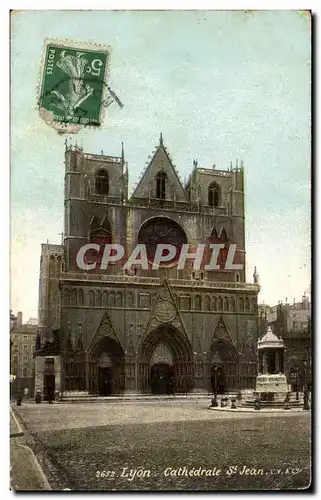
<point>168,446</point>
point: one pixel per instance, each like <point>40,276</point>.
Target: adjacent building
<point>23,340</point>
<point>292,322</point>
<point>111,331</point>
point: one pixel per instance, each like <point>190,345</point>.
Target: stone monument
<point>271,383</point>
<point>271,389</point>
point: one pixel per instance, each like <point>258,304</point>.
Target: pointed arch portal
<point>223,366</point>
<point>106,368</point>
<point>166,362</point>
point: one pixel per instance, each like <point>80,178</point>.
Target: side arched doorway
<point>223,366</point>
<point>106,368</point>
<point>166,362</point>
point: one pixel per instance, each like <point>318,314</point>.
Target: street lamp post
<point>136,371</point>
<point>214,400</point>
<point>306,405</point>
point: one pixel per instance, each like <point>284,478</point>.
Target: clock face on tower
<point>162,230</point>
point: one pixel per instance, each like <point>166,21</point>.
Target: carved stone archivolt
<point>221,333</point>
<point>104,329</point>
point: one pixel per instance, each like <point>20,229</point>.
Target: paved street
<point>45,417</point>
<point>169,446</point>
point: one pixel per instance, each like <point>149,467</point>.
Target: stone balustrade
<point>145,280</point>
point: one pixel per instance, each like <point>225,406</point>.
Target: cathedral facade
<point>167,330</point>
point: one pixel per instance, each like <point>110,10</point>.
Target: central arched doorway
<point>106,374</point>
<point>166,362</point>
<point>162,374</point>
<point>162,379</point>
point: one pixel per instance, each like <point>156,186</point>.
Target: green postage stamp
<point>73,86</point>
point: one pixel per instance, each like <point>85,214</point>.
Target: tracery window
<point>198,304</point>
<point>161,185</point>
<point>119,299</point>
<point>214,195</point>
<point>226,304</point>
<point>80,298</point>
<point>98,298</point>
<point>207,303</point>
<point>102,182</point>
<point>105,298</point>
<point>91,298</point>
<point>130,299</point>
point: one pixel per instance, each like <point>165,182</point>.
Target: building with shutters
<point>23,338</point>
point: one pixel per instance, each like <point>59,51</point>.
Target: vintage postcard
<point>160,322</point>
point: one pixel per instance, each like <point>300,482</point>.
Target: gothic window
<point>214,305</point>
<point>130,299</point>
<point>102,182</point>
<point>119,299</point>
<point>241,304</point>
<point>232,304</point>
<point>80,298</point>
<point>219,303</point>
<point>66,298</point>
<point>226,304</point>
<point>237,277</point>
<point>105,298</point>
<point>73,161</point>
<point>73,297</point>
<point>214,195</point>
<point>144,300</point>
<point>198,305</point>
<point>98,298</point>
<point>91,298</point>
<point>161,185</point>
<point>207,303</point>
<point>112,299</point>
<point>185,303</point>
<point>247,304</point>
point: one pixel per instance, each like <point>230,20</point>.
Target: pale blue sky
<point>218,85</point>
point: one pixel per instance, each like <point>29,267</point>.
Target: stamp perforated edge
<point>45,115</point>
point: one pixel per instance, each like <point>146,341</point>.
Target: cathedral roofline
<point>160,146</point>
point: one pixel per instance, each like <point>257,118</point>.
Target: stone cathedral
<point>115,331</point>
